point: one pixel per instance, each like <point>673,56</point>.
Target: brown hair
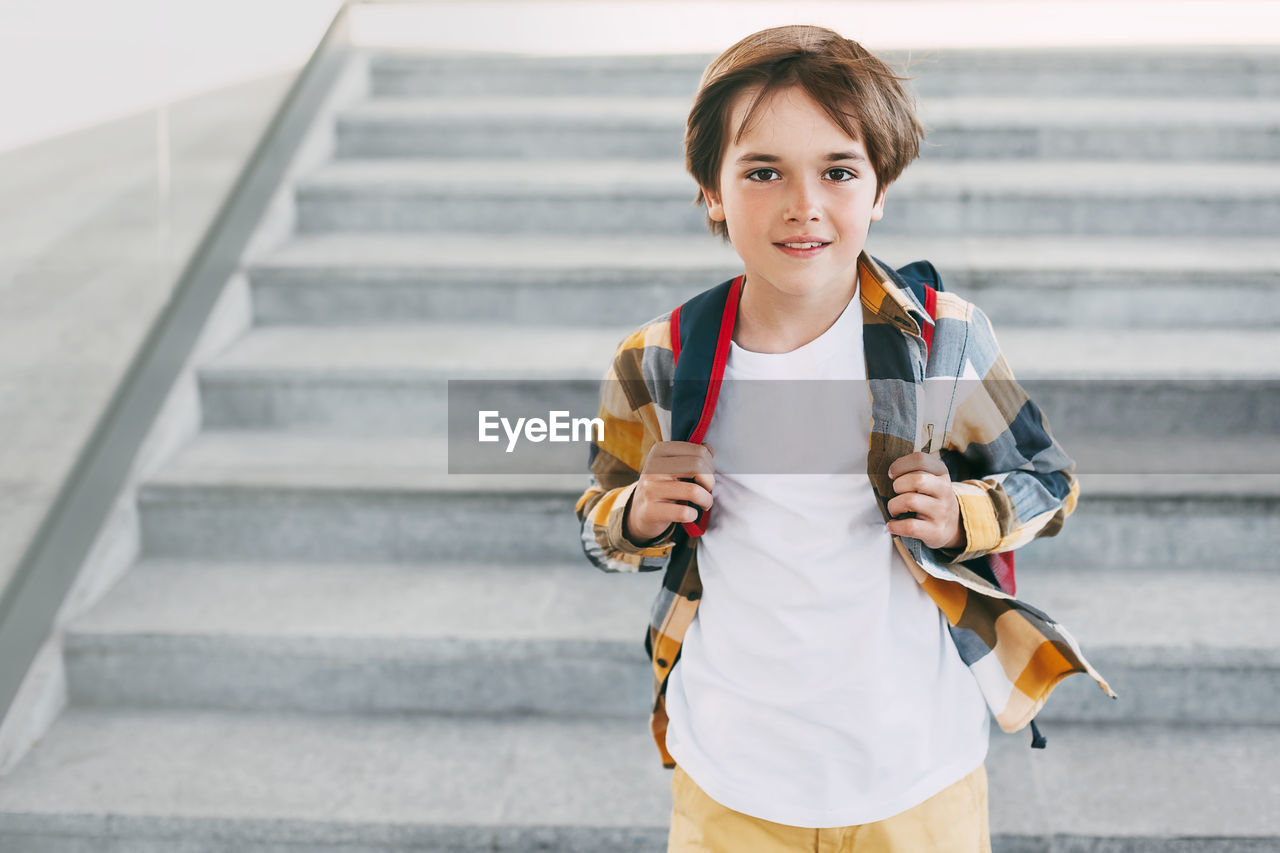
<point>857,90</point>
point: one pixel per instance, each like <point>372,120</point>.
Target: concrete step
<point>567,639</point>
<point>292,496</point>
<point>297,496</point>
<point>395,377</point>
<point>147,780</point>
<point>1102,282</point>
<point>1082,127</point>
<point>486,199</point>
<point>1151,71</point>
<point>448,638</point>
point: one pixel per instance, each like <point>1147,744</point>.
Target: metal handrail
<point>30,603</point>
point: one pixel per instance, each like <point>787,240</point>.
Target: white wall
<point>70,64</point>
<point>709,26</point>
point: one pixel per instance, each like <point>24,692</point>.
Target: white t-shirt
<point>817,685</point>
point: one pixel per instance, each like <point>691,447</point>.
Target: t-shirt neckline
<point>817,350</point>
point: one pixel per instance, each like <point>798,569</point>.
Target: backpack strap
<point>701,330</point>
<point>931,308</point>
<point>922,278</point>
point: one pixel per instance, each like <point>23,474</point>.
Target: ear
<point>715,209</point>
<point>877,210</point>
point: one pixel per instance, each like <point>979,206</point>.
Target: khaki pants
<point>954,820</point>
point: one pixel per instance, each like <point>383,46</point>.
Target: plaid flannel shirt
<point>1016,484</point>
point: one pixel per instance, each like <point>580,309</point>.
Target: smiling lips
<point>803,247</point>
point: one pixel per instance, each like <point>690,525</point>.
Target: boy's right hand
<point>674,472</point>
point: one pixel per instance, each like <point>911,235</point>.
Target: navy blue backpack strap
<point>701,330</point>
<point>918,275</point>
<point>922,279</point>
<point>695,333</point>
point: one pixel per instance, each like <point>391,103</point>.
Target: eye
<point>751,176</point>
<point>841,175</point>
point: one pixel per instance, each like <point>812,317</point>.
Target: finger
<point>707,481</point>
<point>674,491</point>
<point>922,482</point>
<point>914,528</point>
<point>675,511</point>
<point>667,512</point>
<point>920,506</point>
<point>903,526</point>
<point>907,482</point>
<point>687,448</point>
<point>685,461</point>
<point>903,464</point>
<point>917,462</point>
<point>901,505</point>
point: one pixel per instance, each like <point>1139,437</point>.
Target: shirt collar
<point>888,296</point>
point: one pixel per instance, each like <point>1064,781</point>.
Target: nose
<point>802,202</point>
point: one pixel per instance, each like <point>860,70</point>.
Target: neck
<point>770,322</point>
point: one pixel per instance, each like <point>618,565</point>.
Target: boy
<point>837,660</point>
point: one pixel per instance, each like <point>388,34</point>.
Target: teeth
<point>802,245</point>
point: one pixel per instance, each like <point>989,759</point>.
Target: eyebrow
<point>755,157</point>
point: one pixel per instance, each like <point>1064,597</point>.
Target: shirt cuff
<point>978,521</point>
<point>656,547</point>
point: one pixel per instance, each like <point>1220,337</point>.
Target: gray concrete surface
<point>1025,281</point>
<point>985,197</point>
<point>241,495</point>
<point>958,128</point>
<point>1198,71</point>
<point>259,781</point>
<point>470,637</point>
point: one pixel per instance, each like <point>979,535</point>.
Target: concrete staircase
<point>328,643</point>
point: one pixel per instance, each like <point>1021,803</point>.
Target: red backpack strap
<point>701,331</point>
<point>675,335</point>
<point>931,308</point>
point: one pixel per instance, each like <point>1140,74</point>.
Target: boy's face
<point>795,177</point>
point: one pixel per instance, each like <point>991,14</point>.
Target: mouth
<point>803,248</point>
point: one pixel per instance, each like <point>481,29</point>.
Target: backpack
<point>922,279</point>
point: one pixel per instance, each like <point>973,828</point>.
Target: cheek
<point>750,208</point>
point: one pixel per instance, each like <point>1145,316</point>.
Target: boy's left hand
<point>923,486</point>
